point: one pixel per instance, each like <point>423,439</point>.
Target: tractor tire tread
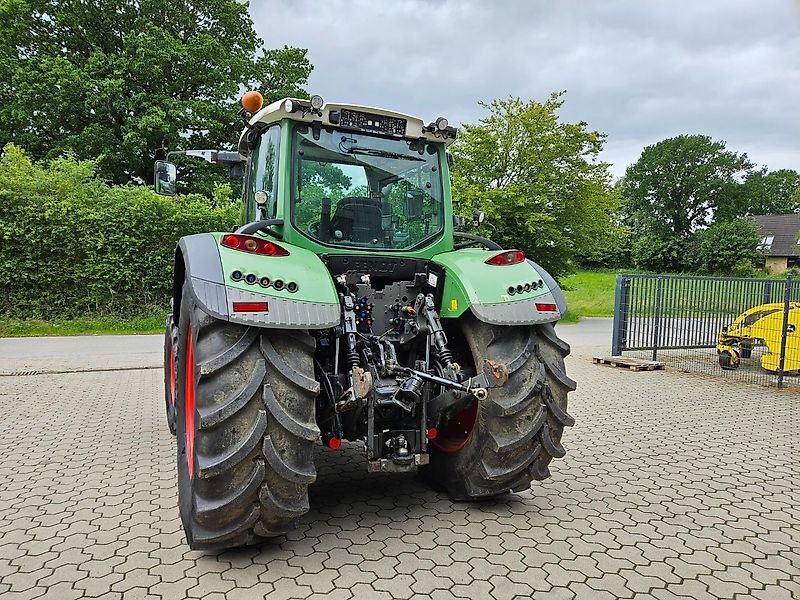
<point>519,426</point>
<point>304,430</point>
<point>284,368</point>
<point>285,469</point>
<point>238,498</point>
<point>237,401</point>
<point>254,432</point>
<point>232,457</point>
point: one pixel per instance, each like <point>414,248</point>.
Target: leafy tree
<point>610,250</point>
<point>725,248</point>
<point>675,186</point>
<point>538,180</point>
<point>659,253</point>
<point>122,80</point>
<point>763,193</point>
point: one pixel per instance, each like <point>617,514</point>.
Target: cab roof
<point>348,116</point>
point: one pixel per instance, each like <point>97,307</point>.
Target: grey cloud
<point>639,71</point>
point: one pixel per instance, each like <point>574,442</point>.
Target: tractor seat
<point>359,219</point>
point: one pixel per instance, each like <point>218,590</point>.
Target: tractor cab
<point>337,177</point>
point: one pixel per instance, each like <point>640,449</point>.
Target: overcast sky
<point>637,70</point>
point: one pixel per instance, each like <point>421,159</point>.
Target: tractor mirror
<point>236,172</point>
<point>165,177</point>
<point>450,159</point>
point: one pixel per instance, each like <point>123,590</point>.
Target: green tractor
<point>348,307</point>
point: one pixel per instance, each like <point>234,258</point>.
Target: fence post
<point>786,297</point>
<point>767,292</point>
<point>657,316</point>
<point>620,327</point>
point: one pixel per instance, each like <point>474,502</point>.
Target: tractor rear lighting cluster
<point>542,307</point>
<point>252,245</point>
<point>526,287</point>
<point>250,307</point>
<point>265,281</point>
<point>509,257</point>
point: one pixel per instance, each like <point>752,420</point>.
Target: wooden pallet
<point>634,364</point>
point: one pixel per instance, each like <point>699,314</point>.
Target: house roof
<point>784,231</point>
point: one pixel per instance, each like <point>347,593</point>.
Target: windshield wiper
<point>382,153</point>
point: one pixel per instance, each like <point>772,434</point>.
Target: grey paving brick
<point>673,487</point>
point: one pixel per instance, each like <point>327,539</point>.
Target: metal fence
<point>747,329</point>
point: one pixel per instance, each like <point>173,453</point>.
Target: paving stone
<point>504,588</point>
<point>773,592</point>
<point>653,500</point>
<point>610,582</point>
<point>398,586</point>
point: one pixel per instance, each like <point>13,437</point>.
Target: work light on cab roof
<point>347,306</point>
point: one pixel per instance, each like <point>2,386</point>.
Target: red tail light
<point>509,257</point>
<point>546,307</point>
<point>252,244</point>
<point>250,307</point>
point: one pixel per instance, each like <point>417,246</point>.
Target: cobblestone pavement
<point>673,486</point>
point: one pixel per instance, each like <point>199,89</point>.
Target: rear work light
<point>252,244</point>
<point>509,257</point>
<point>546,307</point>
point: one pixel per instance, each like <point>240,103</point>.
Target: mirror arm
<point>211,156</point>
<point>264,225</point>
<point>476,238</point>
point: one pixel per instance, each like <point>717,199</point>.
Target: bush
<point>71,245</point>
<point>725,248</point>
<point>651,252</point>
<point>610,250</point>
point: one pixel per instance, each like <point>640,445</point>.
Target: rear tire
<point>246,429</point>
<point>170,371</point>
<point>516,431</point>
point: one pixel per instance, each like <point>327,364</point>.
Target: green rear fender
<point>209,269</point>
<point>470,283</point>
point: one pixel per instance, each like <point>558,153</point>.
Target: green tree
<point>675,186</point>
<point>122,80</point>
<point>537,178</point>
<point>725,248</point>
<point>764,193</point>
<point>659,253</point>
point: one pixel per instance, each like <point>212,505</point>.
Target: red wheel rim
<point>454,435</point>
<point>173,380</point>
<point>188,403</point>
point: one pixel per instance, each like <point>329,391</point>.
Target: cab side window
<point>261,184</point>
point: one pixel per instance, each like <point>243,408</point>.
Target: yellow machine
<point>762,325</point>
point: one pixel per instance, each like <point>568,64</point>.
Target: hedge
<point>71,245</point>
